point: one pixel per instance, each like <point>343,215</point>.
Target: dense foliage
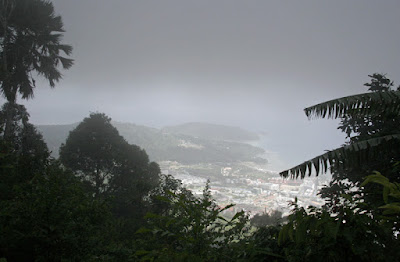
<point>191,229</point>
<point>105,201</point>
<point>45,212</point>
<point>96,152</point>
<point>354,222</point>
<point>353,234</point>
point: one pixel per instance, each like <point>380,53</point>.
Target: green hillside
<point>212,132</point>
<point>169,144</point>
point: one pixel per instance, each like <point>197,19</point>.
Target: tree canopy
<point>109,166</point>
<point>30,39</point>
<point>45,212</point>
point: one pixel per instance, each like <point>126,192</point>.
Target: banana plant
<point>382,105</point>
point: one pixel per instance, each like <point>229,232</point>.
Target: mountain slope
<point>212,132</point>
<point>164,145</point>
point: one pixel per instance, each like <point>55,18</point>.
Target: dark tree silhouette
<point>30,41</point>
<point>109,165</point>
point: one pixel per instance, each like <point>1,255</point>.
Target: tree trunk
<point>7,8</point>
<point>9,119</point>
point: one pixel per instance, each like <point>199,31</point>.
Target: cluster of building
<point>252,194</point>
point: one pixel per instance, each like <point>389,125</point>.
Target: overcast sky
<point>255,64</point>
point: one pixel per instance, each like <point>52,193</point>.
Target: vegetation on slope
<point>162,146</point>
<point>107,202</point>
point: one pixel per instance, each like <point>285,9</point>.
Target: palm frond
<point>362,104</point>
<point>343,156</point>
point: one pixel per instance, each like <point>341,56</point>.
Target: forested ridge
<point>173,143</point>
<point>103,199</point>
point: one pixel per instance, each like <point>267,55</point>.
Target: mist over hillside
<point>188,143</point>
<point>212,132</point>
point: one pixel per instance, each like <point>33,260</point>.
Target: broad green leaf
<point>340,155</point>
<point>143,230</point>
<point>238,214</point>
<point>227,207</point>
<point>393,208</point>
<point>361,104</point>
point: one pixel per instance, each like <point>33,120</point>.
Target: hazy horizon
<point>253,64</point>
